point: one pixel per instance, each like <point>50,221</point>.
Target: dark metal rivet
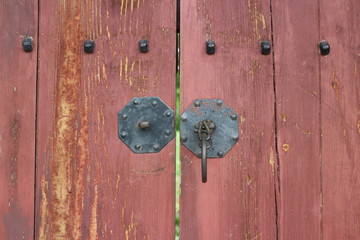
<point>124,116</point>
<point>156,147</point>
<point>183,139</point>
<point>235,137</point>
<point>123,135</point>
<point>220,154</point>
<point>167,132</point>
<point>154,103</point>
<point>324,48</point>
<point>197,103</point>
<point>219,102</point>
<point>27,44</point>
<point>89,46</point>
<point>265,48</point>
<point>168,114</point>
<point>136,102</point>
<point>144,125</point>
<point>137,146</point>
<point>184,119</point>
<point>233,117</point>
<point>210,47</point>
<point>144,45</point>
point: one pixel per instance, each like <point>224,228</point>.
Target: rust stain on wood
<point>66,137</point>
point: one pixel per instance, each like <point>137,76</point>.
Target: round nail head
<point>265,48</point>
<point>137,146</point>
<point>324,48</point>
<point>233,117</point>
<point>27,45</point>
<point>89,46</point>
<point>197,103</point>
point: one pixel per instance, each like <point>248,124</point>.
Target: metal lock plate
<point>146,124</point>
<point>225,119</point>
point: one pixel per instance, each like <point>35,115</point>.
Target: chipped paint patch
<point>272,159</point>
<point>335,84</point>
<point>131,229</point>
<point>285,147</point>
<point>93,219</point>
<point>43,209</point>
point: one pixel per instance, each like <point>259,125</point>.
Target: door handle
<point>216,130</point>
<point>204,129</point>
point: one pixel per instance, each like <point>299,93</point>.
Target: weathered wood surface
<point>238,201</point>
<point>296,37</point>
<point>18,19</point>
<point>340,119</point>
<point>89,184</point>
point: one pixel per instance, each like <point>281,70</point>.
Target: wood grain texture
<point>296,35</point>
<point>90,185</point>
<point>238,201</point>
<point>18,19</point>
<point>340,114</point>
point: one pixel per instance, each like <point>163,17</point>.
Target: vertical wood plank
<point>238,201</point>
<point>296,35</point>
<point>91,186</point>
<point>18,19</point>
<point>340,113</point>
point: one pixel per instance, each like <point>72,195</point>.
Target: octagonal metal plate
<point>225,119</point>
<point>146,109</point>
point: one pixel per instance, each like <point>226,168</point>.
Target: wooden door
<point>89,184</point>
<point>18,20</point>
<point>294,172</point>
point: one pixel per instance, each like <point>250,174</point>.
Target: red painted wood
<point>296,35</point>
<point>340,115</point>
<point>90,185</point>
<point>18,19</point>
<point>238,201</point>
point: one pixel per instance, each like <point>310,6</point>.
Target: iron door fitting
<point>209,129</point>
<point>146,125</point>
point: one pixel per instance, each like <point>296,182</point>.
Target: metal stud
<point>144,45</point>
<point>197,103</point>
<point>137,146</point>
<point>324,47</point>
<point>27,45</point>
<point>210,47</point>
<point>233,116</point>
<point>265,48</point>
<point>89,46</point>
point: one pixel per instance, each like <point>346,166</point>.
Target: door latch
<point>146,125</point>
<point>209,129</point>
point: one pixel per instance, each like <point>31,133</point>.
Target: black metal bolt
<point>197,103</point>
<point>123,135</point>
<point>265,48</point>
<point>220,154</point>
<point>144,45</point>
<point>167,132</point>
<point>168,114</point>
<point>210,47</point>
<point>184,119</point>
<point>136,102</point>
<point>27,44</point>
<point>137,146</point>
<point>183,139</point>
<point>154,103</point>
<point>324,48</point>
<point>219,102</point>
<point>124,116</point>
<point>235,137</point>
<point>156,147</point>
<point>233,117</point>
<point>89,46</point>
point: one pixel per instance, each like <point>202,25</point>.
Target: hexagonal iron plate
<point>225,119</point>
<point>157,120</point>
